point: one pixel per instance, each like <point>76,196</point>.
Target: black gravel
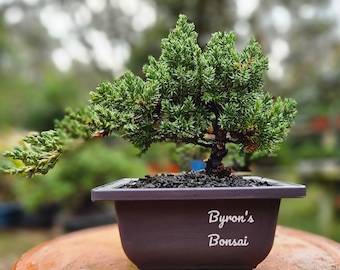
<point>192,180</point>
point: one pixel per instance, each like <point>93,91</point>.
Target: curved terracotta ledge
<point>100,248</point>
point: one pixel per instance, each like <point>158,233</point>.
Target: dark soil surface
<point>193,180</point>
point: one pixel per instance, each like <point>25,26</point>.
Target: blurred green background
<point>52,53</point>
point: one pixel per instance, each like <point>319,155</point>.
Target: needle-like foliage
<point>208,97</point>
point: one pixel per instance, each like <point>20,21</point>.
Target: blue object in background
<point>10,214</point>
<point>197,165</point>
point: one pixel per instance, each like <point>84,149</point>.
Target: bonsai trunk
<point>218,152</point>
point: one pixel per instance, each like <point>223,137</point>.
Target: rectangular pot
<point>197,228</point>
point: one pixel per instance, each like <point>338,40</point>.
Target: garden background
<point>52,53</point>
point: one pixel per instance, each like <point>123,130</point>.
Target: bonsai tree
<point>208,97</point>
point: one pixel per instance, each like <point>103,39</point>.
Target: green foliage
<point>39,153</point>
<point>69,184</point>
<point>188,92</point>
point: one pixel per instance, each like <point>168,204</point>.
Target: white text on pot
<point>215,216</point>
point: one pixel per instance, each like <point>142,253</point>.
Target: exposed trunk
<point>218,152</point>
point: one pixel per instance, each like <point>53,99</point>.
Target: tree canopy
<point>189,95</point>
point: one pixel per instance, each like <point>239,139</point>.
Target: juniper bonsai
<point>208,97</point>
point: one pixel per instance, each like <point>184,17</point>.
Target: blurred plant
<point>69,185</point>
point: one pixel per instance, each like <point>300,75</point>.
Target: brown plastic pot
<point>197,228</point>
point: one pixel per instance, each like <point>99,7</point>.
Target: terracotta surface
<point>100,248</point>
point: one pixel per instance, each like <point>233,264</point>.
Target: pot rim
<point>278,190</point>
